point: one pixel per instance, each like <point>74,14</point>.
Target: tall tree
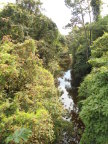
<point>31,5</point>
<point>96,5</point>
<point>79,9</point>
<point>89,12</point>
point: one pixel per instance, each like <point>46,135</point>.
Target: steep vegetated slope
<point>94,94</point>
<point>91,76</point>
<point>21,23</point>
<point>31,48</point>
<point>28,97</point>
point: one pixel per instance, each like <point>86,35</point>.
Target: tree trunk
<point>90,22</point>
<point>85,31</point>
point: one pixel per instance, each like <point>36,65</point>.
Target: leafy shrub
<point>28,97</point>
<point>94,94</point>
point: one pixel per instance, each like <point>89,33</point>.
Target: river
<point>69,101</point>
<point>64,84</point>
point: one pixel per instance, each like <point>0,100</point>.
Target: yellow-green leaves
<point>29,98</point>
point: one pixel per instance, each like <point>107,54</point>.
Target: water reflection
<point>64,83</point>
<point>69,100</point>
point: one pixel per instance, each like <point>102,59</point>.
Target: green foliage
<point>19,136</point>
<point>96,6</point>
<point>31,5</point>
<point>31,50</point>
<point>28,97</point>
<point>12,21</point>
<point>94,94</point>
<point>24,21</point>
<point>99,27</point>
<point>77,47</point>
<point>44,28</point>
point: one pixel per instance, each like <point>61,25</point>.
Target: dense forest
<point>33,54</point>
